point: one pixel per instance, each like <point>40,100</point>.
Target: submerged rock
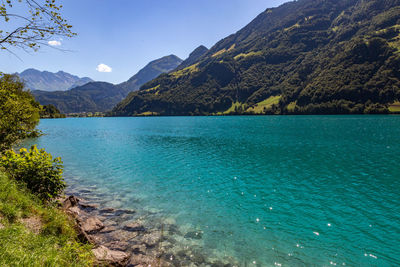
<point>108,229</point>
<point>140,260</point>
<point>122,235</point>
<point>119,212</point>
<point>139,249</point>
<point>134,227</point>
<point>151,239</point>
<point>112,257</point>
<point>107,210</point>
<point>118,245</point>
<point>88,207</point>
<point>92,225</point>
<point>194,235</point>
<point>197,257</point>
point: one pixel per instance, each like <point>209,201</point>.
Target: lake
<point>261,190</point>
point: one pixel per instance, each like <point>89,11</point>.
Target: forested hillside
<point>91,97</point>
<point>304,57</point>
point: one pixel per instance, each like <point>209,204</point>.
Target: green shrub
<point>37,169</point>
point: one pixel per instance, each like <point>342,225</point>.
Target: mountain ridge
<point>302,57</point>
<point>103,96</point>
<point>194,56</point>
<point>51,81</point>
<point>151,70</point>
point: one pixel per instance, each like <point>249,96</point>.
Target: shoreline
<point>121,239</point>
<point>118,240</point>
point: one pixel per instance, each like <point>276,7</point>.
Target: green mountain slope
<point>304,57</point>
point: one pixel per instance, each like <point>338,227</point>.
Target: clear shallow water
<point>267,191</point>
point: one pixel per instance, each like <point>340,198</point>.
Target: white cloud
<point>54,43</point>
<point>103,68</point>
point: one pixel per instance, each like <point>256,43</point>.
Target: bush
<point>37,169</point>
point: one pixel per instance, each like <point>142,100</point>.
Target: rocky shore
<point>122,239</point>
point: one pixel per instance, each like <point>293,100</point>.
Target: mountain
<point>91,97</point>
<point>102,96</point>
<point>193,57</point>
<point>49,81</point>
<point>151,71</point>
<point>303,57</point>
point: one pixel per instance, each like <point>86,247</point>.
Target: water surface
<point>265,191</point>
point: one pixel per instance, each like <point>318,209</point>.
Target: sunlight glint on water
<point>267,191</point>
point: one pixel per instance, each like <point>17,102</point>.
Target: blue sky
<point>127,34</point>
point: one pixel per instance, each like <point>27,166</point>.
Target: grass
<point>148,113</point>
<point>243,55</point>
<point>335,29</point>
<point>220,52</point>
<point>295,26</point>
<point>232,109</point>
<point>54,243</point>
<point>395,107</point>
<point>187,70</point>
<point>267,103</point>
<point>291,106</point>
<point>152,89</point>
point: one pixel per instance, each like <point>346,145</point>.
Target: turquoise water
<point>264,191</point>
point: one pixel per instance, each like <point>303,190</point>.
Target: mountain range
<point>102,96</point>
<point>303,57</point>
<point>49,81</point>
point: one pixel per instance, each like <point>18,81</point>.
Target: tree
<point>19,112</point>
<point>38,23</point>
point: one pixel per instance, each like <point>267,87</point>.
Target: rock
<point>112,257</point>
<point>194,235</point>
<point>173,229</point>
<point>88,207</point>
<point>92,225</point>
<point>84,237</point>
<point>108,229</point>
<point>220,264</point>
<point>120,212</point>
<point>139,249</point>
<point>70,201</point>
<point>151,239</point>
<point>108,211</point>
<point>118,245</point>
<point>197,258</point>
<point>143,260</point>
<point>134,227</point>
<point>182,254</point>
<point>122,235</point>
<point>74,211</point>
<point>108,222</point>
